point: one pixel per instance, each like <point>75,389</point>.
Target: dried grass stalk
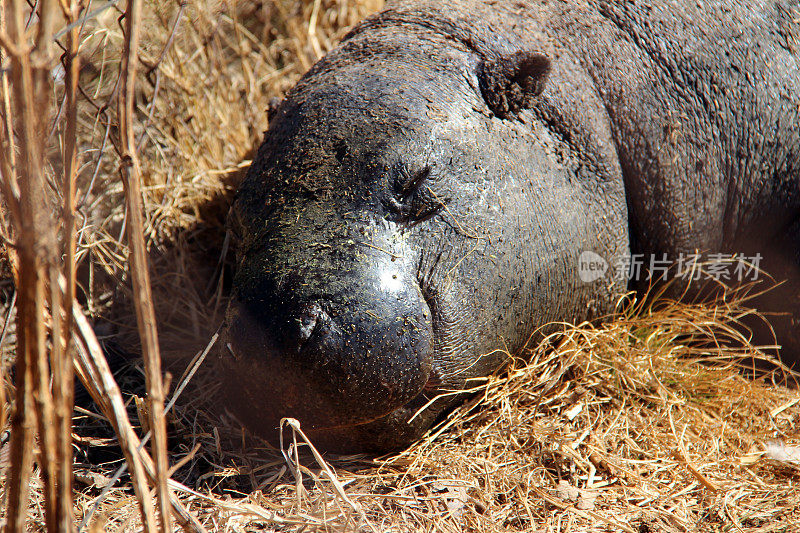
<point>93,370</point>
<point>63,387</point>
<point>143,297</point>
<point>24,188</point>
<point>95,374</point>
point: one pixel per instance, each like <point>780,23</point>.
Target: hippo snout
<point>330,364</point>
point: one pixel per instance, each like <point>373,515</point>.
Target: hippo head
<point>379,227</point>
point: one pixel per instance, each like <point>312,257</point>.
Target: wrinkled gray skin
<point>423,194</point>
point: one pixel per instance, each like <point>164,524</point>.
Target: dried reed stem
<point>63,387</point>
<point>8,182</point>
<point>95,374</point>
<point>143,299</point>
<point>35,244</point>
<point>93,370</point>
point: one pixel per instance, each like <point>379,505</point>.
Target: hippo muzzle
<point>335,342</point>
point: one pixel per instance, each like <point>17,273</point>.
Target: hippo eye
<point>414,201</point>
<point>408,183</point>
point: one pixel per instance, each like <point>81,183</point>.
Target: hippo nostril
<point>327,364</point>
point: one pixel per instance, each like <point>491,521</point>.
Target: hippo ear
<point>510,83</point>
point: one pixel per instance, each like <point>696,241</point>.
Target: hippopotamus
<point>427,194</point>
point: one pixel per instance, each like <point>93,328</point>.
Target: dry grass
<point>648,422</point>
<point>641,424</point>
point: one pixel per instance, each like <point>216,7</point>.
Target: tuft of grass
<point>646,421</point>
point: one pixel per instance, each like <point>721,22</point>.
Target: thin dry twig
<point>26,198</point>
<point>187,521</point>
<point>143,297</point>
<point>95,374</point>
<point>63,388</point>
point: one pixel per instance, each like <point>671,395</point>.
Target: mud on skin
<point>423,194</point>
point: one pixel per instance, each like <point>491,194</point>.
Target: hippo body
<point>423,195</point>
